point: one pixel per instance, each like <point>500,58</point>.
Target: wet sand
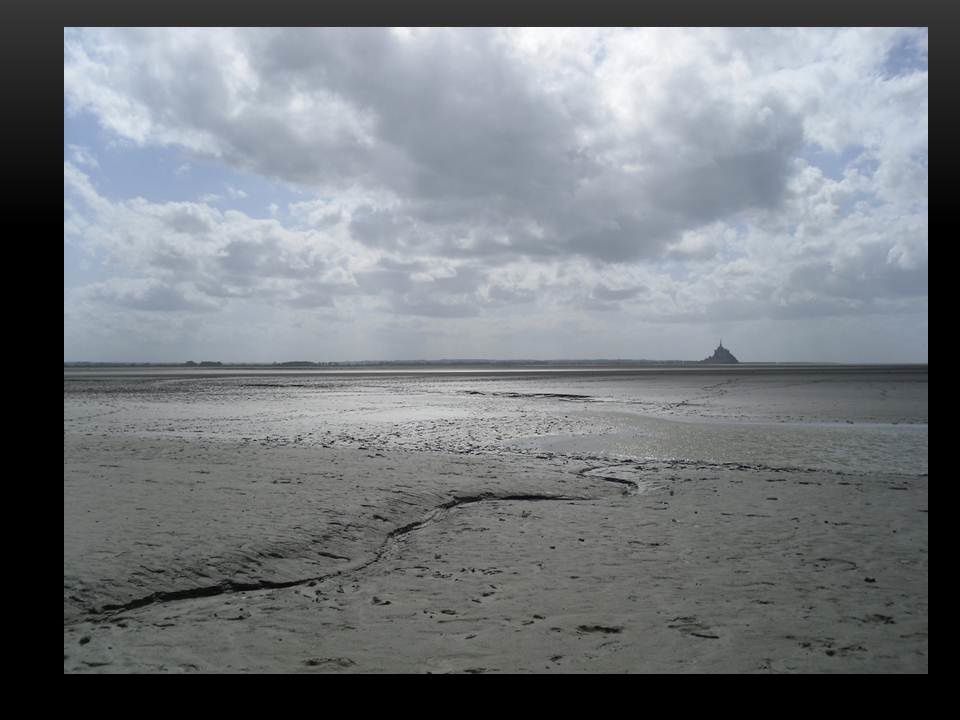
<point>398,526</point>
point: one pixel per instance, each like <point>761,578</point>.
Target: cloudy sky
<point>333,194</point>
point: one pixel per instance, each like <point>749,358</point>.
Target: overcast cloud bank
<point>495,193</point>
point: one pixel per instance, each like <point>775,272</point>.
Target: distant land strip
<point>600,362</point>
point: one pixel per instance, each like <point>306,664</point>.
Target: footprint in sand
<point>322,662</point>
<point>606,629</point>
<point>691,626</point>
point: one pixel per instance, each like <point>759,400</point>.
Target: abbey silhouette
<point>721,356</point>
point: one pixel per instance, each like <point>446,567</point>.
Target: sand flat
<point>425,543</point>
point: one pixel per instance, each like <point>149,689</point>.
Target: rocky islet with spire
<point>721,356</point>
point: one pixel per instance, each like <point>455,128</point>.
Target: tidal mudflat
<point>686,520</point>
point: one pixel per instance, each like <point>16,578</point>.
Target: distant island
<point>721,356</point>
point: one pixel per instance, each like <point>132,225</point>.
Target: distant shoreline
<point>92,371</point>
<point>600,363</point>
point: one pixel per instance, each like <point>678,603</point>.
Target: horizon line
<point>485,361</point>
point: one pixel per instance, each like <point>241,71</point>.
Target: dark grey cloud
<point>380,228</point>
<point>268,256</point>
<point>174,260</point>
<point>454,115</point>
<point>467,138</point>
<point>868,274</point>
<point>417,288</point>
<point>388,276</point>
<point>187,221</point>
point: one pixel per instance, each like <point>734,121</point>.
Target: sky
<point>262,195</point>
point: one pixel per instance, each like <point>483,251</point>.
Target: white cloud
<point>82,156</point>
